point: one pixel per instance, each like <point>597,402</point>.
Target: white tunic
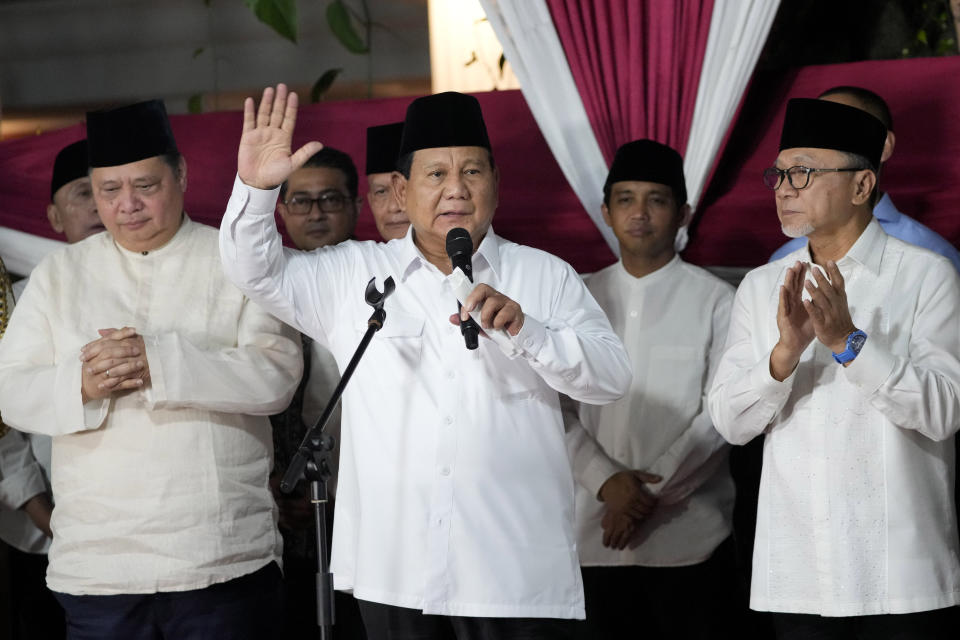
<point>455,493</point>
<point>673,323</point>
<point>165,488</point>
<point>856,512</point>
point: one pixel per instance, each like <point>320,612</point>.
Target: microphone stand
<point>312,460</point>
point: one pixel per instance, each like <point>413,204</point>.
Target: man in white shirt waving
<point>654,495</point>
<point>454,513</point>
<point>845,353</point>
<point>155,376</point>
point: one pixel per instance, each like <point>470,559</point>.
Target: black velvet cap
<point>820,124</point>
<point>71,163</point>
<point>128,134</point>
<point>448,119</point>
<point>649,161</point>
<point>383,147</point>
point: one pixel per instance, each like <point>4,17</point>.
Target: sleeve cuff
<point>253,201</point>
<point>871,368</point>
<point>155,393</point>
<point>531,337</point>
<point>598,472</point>
<point>72,414</point>
<point>20,486</point>
<point>769,388</point>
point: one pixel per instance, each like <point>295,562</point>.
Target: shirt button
<point>448,420</point>
<point>633,314</point>
<point>445,471</point>
<point>451,375</point>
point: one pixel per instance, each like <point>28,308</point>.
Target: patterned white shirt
<point>856,513</point>
<point>164,488</point>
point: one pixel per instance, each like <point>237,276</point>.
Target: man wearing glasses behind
<point>318,205</point>
<point>845,353</point>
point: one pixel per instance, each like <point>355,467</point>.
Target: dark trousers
<point>386,622</point>
<point>939,624</point>
<point>35,612</point>
<point>246,608</point>
<point>705,600</point>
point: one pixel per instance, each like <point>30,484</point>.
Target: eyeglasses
<point>330,202</point>
<point>798,176</point>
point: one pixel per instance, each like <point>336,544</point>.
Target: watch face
<point>856,342</point>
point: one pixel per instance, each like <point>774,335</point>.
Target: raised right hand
<point>264,159</point>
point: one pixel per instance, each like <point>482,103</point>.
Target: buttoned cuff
<point>531,337</point>
<point>253,201</point>
<point>771,390</point>
<point>597,472</point>
<point>18,487</point>
<point>871,368</point>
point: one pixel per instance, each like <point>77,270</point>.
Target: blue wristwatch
<point>855,342</point>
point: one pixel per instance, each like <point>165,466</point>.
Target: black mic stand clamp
<point>312,461</point>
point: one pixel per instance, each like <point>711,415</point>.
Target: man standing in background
<point>654,495</point>
<point>383,147</point>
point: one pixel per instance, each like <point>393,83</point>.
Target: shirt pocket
<point>400,340</point>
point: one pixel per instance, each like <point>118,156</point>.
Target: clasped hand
<point>116,362</point>
<point>628,503</point>
<point>825,316</point>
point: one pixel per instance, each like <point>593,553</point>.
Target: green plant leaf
<point>501,62</point>
<point>339,20</point>
<point>198,51</point>
<point>323,83</point>
<point>922,36</point>
<point>280,15</point>
<point>195,103</point>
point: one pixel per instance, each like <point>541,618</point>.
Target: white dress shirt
<point>164,488</point>
<point>455,493</point>
<point>24,473</point>
<point>856,513</point>
<point>673,323</point>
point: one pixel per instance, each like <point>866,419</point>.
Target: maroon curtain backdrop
<point>537,206</point>
<point>737,221</point>
<point>636,65</point>
<point>736,224</point>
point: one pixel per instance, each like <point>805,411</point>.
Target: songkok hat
<point>383,147</point>
<point>443,120</point>
<point>821,124</point>
<point>128,134</point>
<point>649,161</point>
<point>71,163</point>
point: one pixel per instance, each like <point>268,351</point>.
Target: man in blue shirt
<point>895,223</point>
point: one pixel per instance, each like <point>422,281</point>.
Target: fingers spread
<point>266,104</point>
<point>249,119</point>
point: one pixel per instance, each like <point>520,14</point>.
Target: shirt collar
<point>411,258</point>
<point>652,277</point>
<point>186,224</point>
<point>885,210</point>
<point>868,249</point>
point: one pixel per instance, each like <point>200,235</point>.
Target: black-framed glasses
<point>798,176</point>
<point>327,202</point>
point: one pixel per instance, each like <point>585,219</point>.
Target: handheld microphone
<point>460,252</point>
